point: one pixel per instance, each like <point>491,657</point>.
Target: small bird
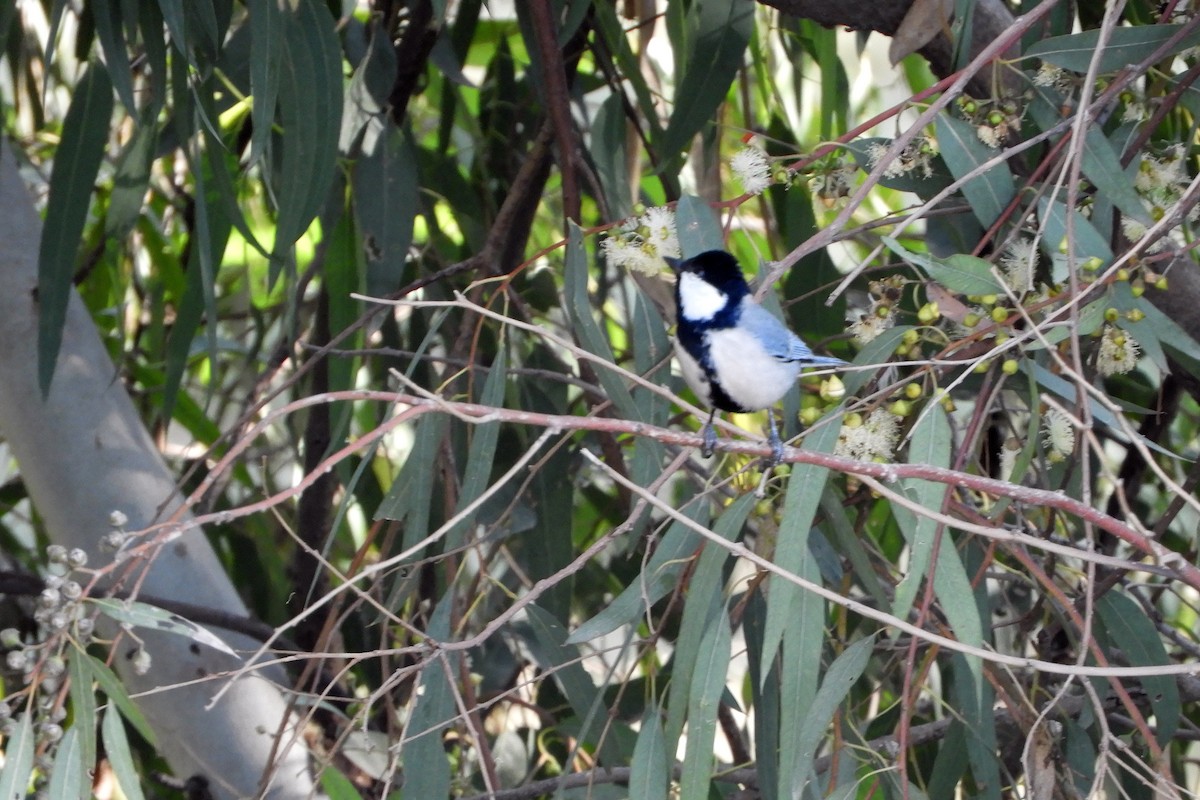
<point>735,355</point>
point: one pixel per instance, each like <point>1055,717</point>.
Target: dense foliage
<point>386,283</point>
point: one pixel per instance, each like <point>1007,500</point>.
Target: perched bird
<point>735,355</point>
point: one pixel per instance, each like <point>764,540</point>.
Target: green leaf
<point>116,748</point>
<point>130,180</point>
<point>965,274</point>
<point>68,776</point>
<point>310,94</point>
<point>699,230</point>
<point>788,602</point>
<point>591,337</point>
<point>1125,46</point>
<point>266,55</point>
<point>990,193</point>
<point>173,14</point>
<point>704,601</point>
<point>116,693</point>
<point>83,704</point>
<point>434,709</point>
<point>107,14</point>
<point>708,685</point>
<point>794,629</point>
<point>839,679</point>
<point>1130,630</point>
<point>412,491</point>
<point>930,444</point>
<point>961,273</point>
<point>18,761</point>
<point>649,774</point>
<point>1086,241</point>
<point>337,786</point>
<point>719,31</point>
<point>577,686</point>
<point>972,695</point>
<point>76,163</point>
<point>608,151</point>
<point>658,578</point>
<point>144,615</point>
<point>877,352</point>
<point>1102,166</point>
<point>482,452</point>
<point>386,200</point>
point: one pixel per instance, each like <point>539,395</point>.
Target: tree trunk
<point>83,453</point>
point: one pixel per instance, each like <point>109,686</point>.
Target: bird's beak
<point>673,263</point>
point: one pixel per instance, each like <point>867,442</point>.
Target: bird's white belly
<point>748,374</point>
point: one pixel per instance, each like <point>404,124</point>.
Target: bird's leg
<point>710,436</point>
<point>776,442</point>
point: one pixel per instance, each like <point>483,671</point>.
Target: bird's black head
<point>709,290</point>
<point>718,268</point>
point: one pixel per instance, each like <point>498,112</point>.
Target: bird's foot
<point>776,444</point>
<point>710,440</point>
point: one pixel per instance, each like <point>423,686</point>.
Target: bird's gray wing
<point>776,339</point>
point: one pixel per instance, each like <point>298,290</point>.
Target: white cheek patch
<point>699,299</point>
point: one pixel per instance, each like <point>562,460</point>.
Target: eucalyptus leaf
<point>708,685</point>
<point>69,774</point>
<point>18,760</point>
<point>649,774</point>
<point>841,676</point>
<point>1124,46</point>
<point>85,132</point>
<point>1135,634</point>
<point>144,615</point>
<point>116,749</point>
<point>989,193</point>
<point>719,33</point>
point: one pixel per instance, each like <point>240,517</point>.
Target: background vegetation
<point>382,281</point>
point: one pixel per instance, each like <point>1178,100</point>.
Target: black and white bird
<point>735,354</point>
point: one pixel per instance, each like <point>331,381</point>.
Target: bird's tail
<point>823,361</point>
